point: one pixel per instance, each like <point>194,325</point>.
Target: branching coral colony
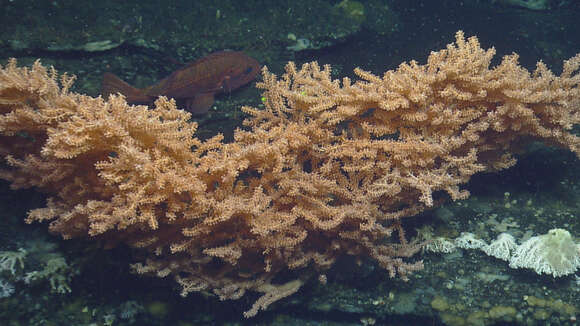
<point>327,168</point>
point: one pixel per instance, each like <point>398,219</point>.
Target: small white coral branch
<point>9,260</point>
<point>468,240</point>
<point>502,247</point>
<point>441,245</point>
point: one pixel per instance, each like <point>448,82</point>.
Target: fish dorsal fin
<point>201,103</point>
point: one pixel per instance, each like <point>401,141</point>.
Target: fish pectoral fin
<point>200,104</point>
<point>225,84</point>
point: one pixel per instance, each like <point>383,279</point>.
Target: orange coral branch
<point>328,168</point>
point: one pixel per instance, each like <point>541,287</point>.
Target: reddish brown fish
<point>196,84</point>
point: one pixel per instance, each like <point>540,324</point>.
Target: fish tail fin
<point>112,84</point>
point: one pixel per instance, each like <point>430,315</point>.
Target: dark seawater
<point>144,41</point>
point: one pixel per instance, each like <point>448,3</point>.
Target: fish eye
<point>248,70</point>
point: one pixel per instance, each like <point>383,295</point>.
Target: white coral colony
<point>554,253</point>
<point>502,247</point>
